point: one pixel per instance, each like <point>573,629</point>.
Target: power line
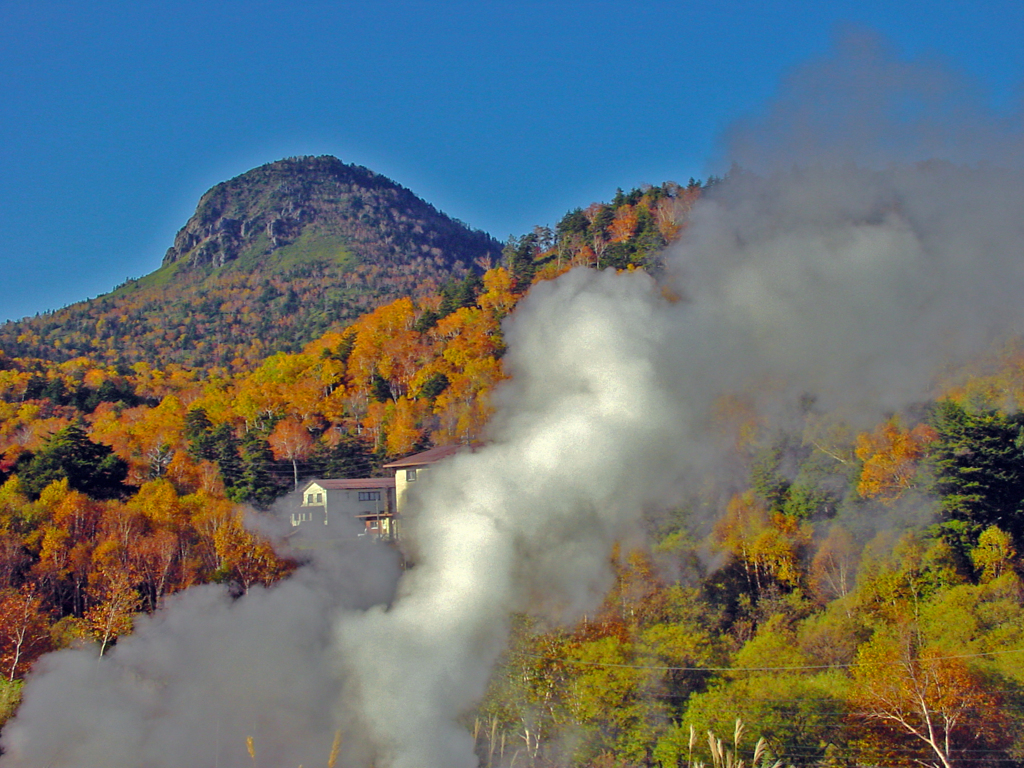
<point>799,668</point>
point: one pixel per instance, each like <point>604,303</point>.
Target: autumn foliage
<point>855,597</point>
<point>890,457</point>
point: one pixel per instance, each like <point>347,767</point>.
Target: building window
<point>309,499</point>
<point>410,475</point>
<point>319,498</point>
<point>369,495</point>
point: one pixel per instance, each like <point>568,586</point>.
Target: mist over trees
<point>850,589</point>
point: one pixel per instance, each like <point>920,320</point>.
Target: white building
<point>376,502</point>
<point>331,504</point>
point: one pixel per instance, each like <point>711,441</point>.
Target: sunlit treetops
<point>121,478</point>
<point>853,587</point>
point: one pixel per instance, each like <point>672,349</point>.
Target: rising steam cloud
<point>527,522</point>
<point>851,259</point>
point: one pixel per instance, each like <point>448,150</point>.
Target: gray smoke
<point>873,240</point>
<point>863,104</point>
<point>868,237</point>
<point>203,674</point>
<point>852,284</point>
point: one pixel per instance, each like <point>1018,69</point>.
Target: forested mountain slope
<point>838,589</point>
<point>269,260</point>
<point>120,484</point>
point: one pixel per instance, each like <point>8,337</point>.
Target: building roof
<point>426,457</point>
<point>354,484</point>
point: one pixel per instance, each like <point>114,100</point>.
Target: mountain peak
<point>268,261</point>
<point>309,207</point>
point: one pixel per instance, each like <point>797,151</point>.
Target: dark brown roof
<point>427,457</point>
<point>354,484</point>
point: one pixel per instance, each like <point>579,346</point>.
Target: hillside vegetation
<point>856,598</point>
<point>269,261</point>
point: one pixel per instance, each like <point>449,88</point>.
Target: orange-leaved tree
<point>24,630</point>
<point>769,545</point>
<point>890,457</point>
<point>292,441</point>
<point>916,703</point>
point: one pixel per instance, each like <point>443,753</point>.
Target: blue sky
<point>116,116</point>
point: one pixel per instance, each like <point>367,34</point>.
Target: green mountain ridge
<point>309,207</point>
<point>268,262</point>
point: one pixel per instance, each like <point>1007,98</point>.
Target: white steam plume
<point>847,268</point>
<point>526,522</point>
<point>839,278</point>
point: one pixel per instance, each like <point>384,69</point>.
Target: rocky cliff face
<point>306,200</point>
